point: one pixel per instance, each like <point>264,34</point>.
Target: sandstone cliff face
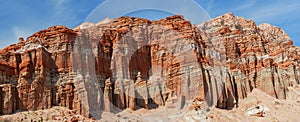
<point>254,56</point>
<point>8,99</point>
<point>136,63</point>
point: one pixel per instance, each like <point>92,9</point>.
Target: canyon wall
<point>137,63</point>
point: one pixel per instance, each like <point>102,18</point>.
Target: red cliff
<point>136,63</point>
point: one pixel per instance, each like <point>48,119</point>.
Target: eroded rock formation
<point>136,63</point>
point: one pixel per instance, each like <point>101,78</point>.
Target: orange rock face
<point>136,63</point>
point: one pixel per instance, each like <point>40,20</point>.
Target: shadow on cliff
<point>147,103</point>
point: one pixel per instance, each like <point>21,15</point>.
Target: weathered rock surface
<point>8,99</point>
<point>136,63</point>
<point>256,57</point>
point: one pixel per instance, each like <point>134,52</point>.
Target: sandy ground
<point>279,110</point>
<point>287,110</point>
<point>55,114</point>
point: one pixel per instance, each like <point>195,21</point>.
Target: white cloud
<point>21,32</point>
<point>272,11</point>
<point>59,7</point>
<point>245,6</point>
<point>59,3</point>
<point>210,6</point>
<point>12,36</point>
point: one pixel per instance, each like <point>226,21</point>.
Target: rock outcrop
<point>255,56</point>
<point>136,63</point>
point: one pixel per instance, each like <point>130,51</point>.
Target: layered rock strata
<point>136,63</point>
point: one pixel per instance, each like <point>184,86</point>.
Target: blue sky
<point>24,17</point>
